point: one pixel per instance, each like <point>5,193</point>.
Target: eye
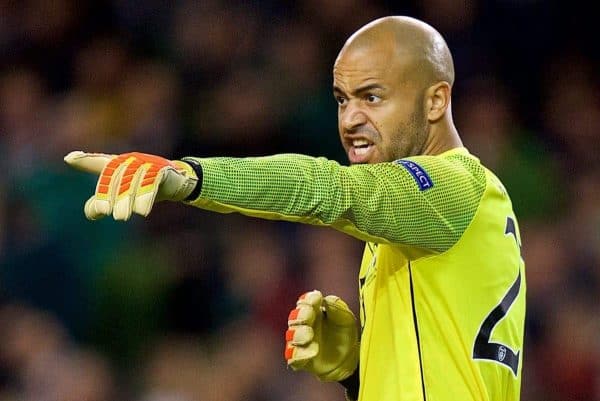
<point>341,100</point>
<point>373,98</point>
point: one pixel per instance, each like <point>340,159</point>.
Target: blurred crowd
<point>186,305</point>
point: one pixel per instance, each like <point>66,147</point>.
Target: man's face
<point>380,111</point>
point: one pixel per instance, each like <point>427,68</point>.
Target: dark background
<point>186,305</point>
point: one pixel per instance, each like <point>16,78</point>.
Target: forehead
<point>359,64</point>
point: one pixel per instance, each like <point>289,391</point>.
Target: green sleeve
<point>380,203</point>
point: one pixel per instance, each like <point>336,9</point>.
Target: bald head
<point>417,45</point>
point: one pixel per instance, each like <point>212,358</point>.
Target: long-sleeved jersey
<point>442,282</point>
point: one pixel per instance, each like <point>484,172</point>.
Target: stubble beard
<point>412,136</point>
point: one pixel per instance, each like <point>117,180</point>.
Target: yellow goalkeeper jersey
<point>442,282</point>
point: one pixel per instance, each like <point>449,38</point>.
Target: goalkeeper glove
<point>322,337</point>
<point>132,182</point>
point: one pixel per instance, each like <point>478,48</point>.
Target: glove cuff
<point>197,167</point>
<point>351,384</point>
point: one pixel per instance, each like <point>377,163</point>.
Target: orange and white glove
<point>132,182</point>
<point>322,337</point>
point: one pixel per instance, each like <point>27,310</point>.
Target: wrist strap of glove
<point>351,383</point>
<point>198,170</point>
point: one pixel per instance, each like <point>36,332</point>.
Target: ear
<point>438,100</point>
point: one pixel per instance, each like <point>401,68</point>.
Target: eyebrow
<point>360,89</point>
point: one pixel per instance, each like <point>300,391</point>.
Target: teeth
<point>361,151</point>
<point>360,142</point>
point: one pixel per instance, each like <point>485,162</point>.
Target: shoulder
<point>456,165</point>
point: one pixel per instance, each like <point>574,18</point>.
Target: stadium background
<point>188,305</point>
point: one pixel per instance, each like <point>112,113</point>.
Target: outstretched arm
<point>422,201</point>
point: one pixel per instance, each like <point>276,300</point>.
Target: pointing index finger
<point>88,162</point>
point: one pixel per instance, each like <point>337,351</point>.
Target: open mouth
<point>360,151</point>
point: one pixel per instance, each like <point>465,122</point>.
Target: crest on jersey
<point>501,353</point>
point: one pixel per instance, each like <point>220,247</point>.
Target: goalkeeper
<point>441,284</point>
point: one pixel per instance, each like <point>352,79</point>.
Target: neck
<point>443,136</point>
